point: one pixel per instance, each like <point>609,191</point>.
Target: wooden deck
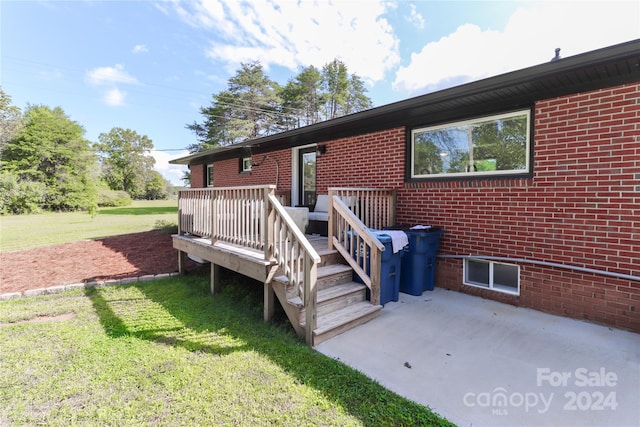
<point>247,230</point>
<point>241,259</point>
<point>341,302</point>
<point>246,261</point>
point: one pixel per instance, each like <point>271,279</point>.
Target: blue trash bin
<point>390,270</point>
<point>418,270</point>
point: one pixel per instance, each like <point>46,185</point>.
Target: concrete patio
<point>482,363</point>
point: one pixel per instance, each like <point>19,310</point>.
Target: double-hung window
<point>494,145</point>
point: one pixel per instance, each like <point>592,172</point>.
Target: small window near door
<point>245,164</point>
<point>492,275</point>
<point>209,175</point>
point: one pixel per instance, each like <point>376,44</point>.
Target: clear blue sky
<point>149,66</point>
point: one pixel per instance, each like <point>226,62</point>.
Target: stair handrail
<point>297,259</point>
<point>357,244</point>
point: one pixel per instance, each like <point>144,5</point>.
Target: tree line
<point>253,105</point>
<point>46,163</point>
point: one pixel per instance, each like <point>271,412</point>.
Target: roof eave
<point>402,109</point>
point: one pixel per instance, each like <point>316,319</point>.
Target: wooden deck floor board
<point>247,261</point>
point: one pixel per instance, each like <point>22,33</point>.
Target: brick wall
<point>273,169</point>
<point>370,160</point>
<point>198,176</point>
<point>582,207</point>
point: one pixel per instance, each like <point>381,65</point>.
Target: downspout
<point>547,264</point>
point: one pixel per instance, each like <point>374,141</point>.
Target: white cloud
<point>109,75</point>
<point>114,97</point>
<point>172,173</point>
<point>529,38</point>
<point>139,48</point>
<point>293,34</point>
<point>415,18</point>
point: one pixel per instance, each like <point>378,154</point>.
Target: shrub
<point>166,227</point>
<point>20,197</point>
<point>111,198</point>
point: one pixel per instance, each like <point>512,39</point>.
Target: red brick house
<point>534,175</point>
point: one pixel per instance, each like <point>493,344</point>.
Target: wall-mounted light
<point>321,150</point>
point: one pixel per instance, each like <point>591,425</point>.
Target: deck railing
<point>375,207</point>
<point>194,207</point>
<point>254,217</point>
<point>352,212</point>
<point>239,216</point>
<point>232,214</point>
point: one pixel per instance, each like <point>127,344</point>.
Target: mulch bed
<point>129,255</point>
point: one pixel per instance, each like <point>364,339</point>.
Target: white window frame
<point>247,163</point>
<point>209,177</point>
<point>498,288</point>
<point>465,123</point>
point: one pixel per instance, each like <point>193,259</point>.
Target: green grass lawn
<point>19,232</point>
<point>168,353</point>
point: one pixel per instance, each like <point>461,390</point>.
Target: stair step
<point>334,274</point>
<point>339,291</point>
<point>330,257</point>
<point>328,276</point>
<point>330,269</point>
<point>341,303</point>
<point>335,292</point>
<point>339,321</point>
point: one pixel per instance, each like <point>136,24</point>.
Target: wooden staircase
<point>341,302</point>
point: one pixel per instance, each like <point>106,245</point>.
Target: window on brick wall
<point>246,164</point>
<point>492,275</point>
<point>209,178</point>
<point>495,145</point>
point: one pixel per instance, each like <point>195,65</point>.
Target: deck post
<point>269,308</point>
<point>182,259</point>
<point>393,202</point>
<point>375,270</point>
<point>215,276</point>
<point>310,299</point>
<point>268,222</point>
<point>213,212</point>
<point>330,221</point>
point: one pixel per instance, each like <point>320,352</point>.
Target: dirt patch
<point>43,319</point>
<point>129,255</point>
